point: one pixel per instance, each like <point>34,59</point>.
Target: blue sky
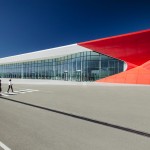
<point>31,25</point>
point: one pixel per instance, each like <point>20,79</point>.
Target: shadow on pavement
<point>145,134</point>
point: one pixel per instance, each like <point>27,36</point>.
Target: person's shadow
<point>11,93</point>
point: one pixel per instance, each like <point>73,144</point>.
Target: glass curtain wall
<point>83,66</point>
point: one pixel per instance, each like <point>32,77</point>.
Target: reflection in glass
<point>84,66</point>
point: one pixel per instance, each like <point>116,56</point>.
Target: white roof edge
<point>44,54</point>
<point>38,51</point>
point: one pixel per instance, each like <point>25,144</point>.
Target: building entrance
<point>78,75</point>
<point>66,75</point>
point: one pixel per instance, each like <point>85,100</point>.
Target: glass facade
<point>83,66</point>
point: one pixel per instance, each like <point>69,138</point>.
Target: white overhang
<point>44,54</point>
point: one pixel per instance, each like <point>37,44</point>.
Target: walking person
<point>0,88</point>
<point>10,86</point>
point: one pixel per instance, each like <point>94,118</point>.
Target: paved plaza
<point>53,115</point>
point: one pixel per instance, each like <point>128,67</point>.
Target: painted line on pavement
<point>4,94</point>
<point>18,92</point>
<point>4,146</point>
<point>32,90</point>
<point>10,93</point>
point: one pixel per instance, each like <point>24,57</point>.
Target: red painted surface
<point>133,48</point>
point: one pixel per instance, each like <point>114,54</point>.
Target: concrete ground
<point>75,116</point>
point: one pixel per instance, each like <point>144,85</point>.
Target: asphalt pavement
<point>75,117</point>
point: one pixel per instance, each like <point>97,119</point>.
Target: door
<point>66,75</point>
<point>78,75</point>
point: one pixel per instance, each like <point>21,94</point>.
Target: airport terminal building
<point>107,60</point>
<point>61,64</point>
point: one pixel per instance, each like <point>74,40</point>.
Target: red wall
<point>133,48</point>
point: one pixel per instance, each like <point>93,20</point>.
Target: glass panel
<point>84,66</point>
